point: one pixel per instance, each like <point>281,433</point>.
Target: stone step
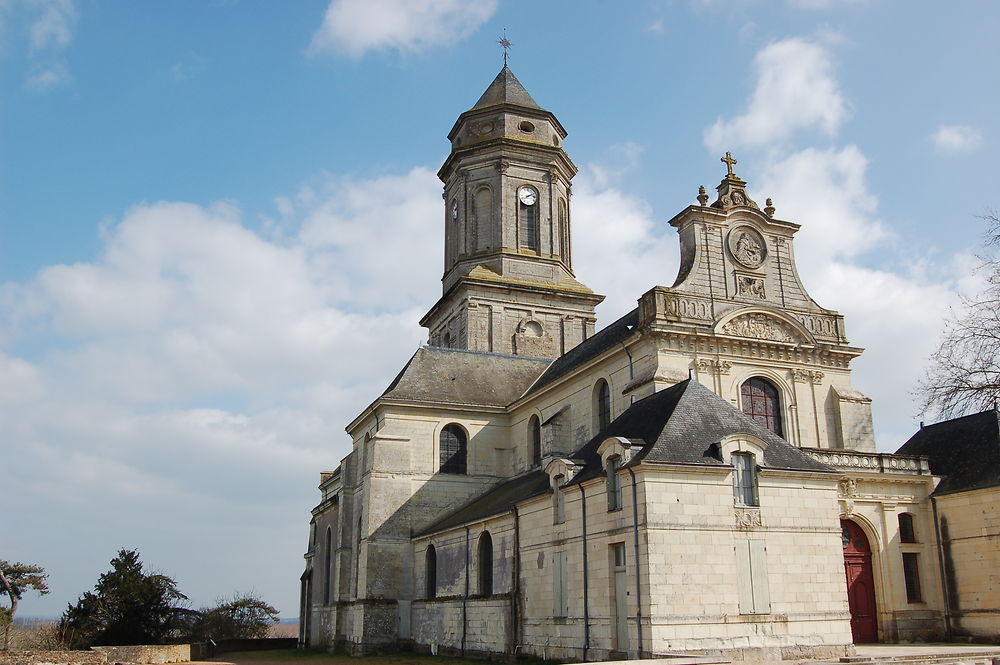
<point>985,657</point>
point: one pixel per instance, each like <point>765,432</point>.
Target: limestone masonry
<point>698,476</point>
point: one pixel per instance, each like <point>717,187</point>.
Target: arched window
<point>478,236</point>
<point>357,557</point>
<point>535,439</point>
<point>907,534</point>
<point>745,479</point>
<point>760,400</point>
<point>485,561</point>
<point>446,340</point>
<point>454,449</point>
<point>527,217</point>
<point>430,572</point>
<point>602,405</point>
<point>563,232</point>
<point>328,566</point>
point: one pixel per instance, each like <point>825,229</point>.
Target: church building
<point>697,476</point>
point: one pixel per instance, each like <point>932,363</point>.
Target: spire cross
<point>728,159</point>
<point>505,45</point>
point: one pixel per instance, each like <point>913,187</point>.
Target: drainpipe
<point>465,598</point>
<point>638,586</point>
<point>631,374</point>
<point>515,585</point>
<point>586,578</point>
<point>944,574</point>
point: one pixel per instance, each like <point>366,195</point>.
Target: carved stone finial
<point>769,208</point>
<point>702,196</point>
<point>729,161</point>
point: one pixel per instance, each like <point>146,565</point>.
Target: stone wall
<point>153,654</point>
<point>874,501</point>
<point>436,624</point>
<point>970,534</point>
<point>141,654</point>
<point>52,658</point>
<point>687,586</point>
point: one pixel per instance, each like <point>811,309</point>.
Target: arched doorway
<point>860,583</point>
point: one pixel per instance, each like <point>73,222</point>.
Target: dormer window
<point>745,479</point>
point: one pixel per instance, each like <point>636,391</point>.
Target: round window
<point>526,127</point>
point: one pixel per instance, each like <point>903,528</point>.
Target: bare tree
<point>15,579</point>
<point>964,372</point>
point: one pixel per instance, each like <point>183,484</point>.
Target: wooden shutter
<point>751,577</point>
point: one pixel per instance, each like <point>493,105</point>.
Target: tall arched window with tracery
<point>328,566</point>
<point>761,401</point>
<point>602,405</point>
<point>453,449</point>
<point>485,564</point>
<point>535,438</point>
<point>430,572</point>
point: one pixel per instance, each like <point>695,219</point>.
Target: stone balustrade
<point>851,460</point>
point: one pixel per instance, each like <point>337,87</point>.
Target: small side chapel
<point>698,476</point>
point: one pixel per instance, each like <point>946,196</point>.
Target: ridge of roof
<point>494,501</point>
<point>589,348</point>
<point>460,376</point>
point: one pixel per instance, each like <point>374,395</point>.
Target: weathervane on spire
<point>505,45</point>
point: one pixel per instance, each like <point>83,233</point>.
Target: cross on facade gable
<point>728,159</point>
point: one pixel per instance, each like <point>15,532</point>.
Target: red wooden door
<point>860,583</point>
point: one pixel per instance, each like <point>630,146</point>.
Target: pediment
<point>764,325</point>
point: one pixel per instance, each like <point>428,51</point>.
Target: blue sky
<point>219,225</point>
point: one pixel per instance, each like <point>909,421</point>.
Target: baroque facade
<point>699,476</point>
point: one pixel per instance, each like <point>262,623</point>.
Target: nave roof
<point>678,425</point>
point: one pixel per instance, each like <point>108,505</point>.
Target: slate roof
<point>590,348</point>
<point>966,451</point>
<point>678,425</point>
<point>498,500</point>
<point>506,89</point>
<point>456,376</point>
<point>682,424</point>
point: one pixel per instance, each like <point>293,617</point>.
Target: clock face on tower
<point>527,195</point>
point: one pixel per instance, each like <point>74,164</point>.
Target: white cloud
<point>895,313</point>
<point>827,190</point>
<point>50,32</point>
<point>197,366</point>
<point>54,25</point>
<point>354,27</point>
<point>795,90</point>
<point>956,138</point>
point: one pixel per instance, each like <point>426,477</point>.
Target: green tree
<point>241,617</point>
<point>964,372</point>
<point>127,606</point>
<point>15,579</point>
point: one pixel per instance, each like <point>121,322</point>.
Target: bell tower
<point>508,284</point>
